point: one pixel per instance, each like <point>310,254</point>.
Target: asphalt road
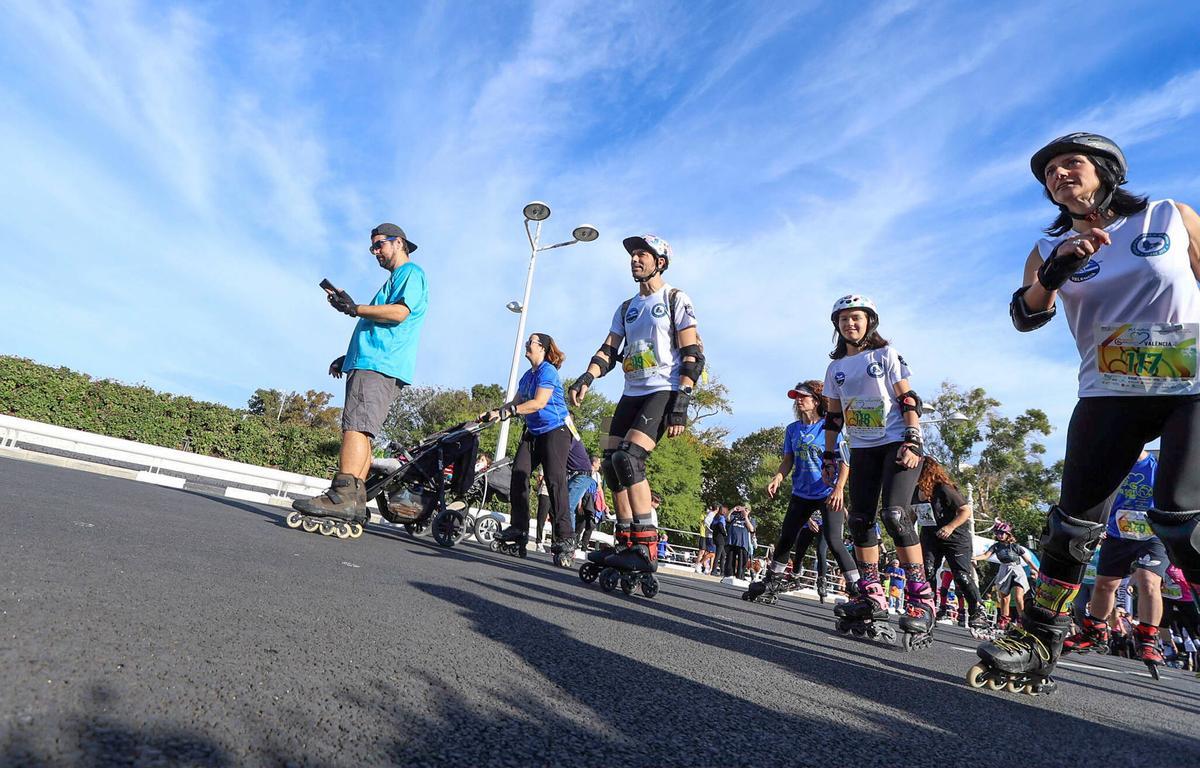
<point>142,625</point>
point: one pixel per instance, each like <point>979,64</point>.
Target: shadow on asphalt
<point>95,739</point>
<point>621,691</point>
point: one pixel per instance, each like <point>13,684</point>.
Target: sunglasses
<point>375,246</point>
<point>530,344</point>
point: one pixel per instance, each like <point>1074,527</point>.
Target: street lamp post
<point>536,212</point>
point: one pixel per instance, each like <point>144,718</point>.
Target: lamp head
<point>536,211</point>
<point>514,306</point>
<point>585,233</point>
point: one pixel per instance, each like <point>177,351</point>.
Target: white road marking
<point>352,565</point>
<point>82,524</point>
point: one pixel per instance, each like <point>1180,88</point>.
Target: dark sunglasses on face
<point>375,246</point>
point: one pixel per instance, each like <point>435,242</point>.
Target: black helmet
<point>1084,143</point>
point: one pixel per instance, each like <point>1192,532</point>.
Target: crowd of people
<point>1125,270</point>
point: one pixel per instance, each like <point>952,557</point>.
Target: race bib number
<point>641,361</point>
<point>1149,358</point>
<point>1171,589</point>
<point>924,514</point>
<point>1132,524</point>
<point>864,417</point>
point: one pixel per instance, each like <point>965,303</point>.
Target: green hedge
<point>65,398</point>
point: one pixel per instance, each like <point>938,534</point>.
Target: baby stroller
<point>491,484</point>
<point>411,489</point>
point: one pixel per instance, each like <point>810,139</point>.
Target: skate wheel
<point>1014,686</point>
<point>649,587</point>
<point>995,684</point>
<point>356,530</point>
<point>841,628</point>
<point>628,584</point>
<point>494,545</point>
<point>858,631</point>
<point>609,578</point>
<point>1102,650</point>
<point>1153,671</point>
<point>309,525</point>
<point>977,676</point>
<point>588,572</point>
<point>327,527</point>
<point>522,553</point>
<point>342,531</point>
<point>294,519</point>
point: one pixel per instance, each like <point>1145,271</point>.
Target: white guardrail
<point>160,462</point>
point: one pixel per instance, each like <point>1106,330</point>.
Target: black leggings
<point>719,556</point>
<point>550,451</point>
<point>956,551</point>
<point>795,531</point>
<point>1105,437</point>
<point>874,470</point>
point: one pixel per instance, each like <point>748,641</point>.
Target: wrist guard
<point>829,462</point>
<point>585,380</point>
<point>507,411</point>
<point>677,413</point>
<point>1057,270</point>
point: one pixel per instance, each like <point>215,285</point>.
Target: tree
<point>1010,479</point>
<point>311,409</point>
<point>709,399</point>
<point>950,443</point>
<point>740,473</point>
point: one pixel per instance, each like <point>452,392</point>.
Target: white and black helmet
<point>1084,143</point>
<point>856,301</point>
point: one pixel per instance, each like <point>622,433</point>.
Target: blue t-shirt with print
<point>554,414</point>
<point>806,443</point>
<point>391,348</point>
<point>1134,498</point>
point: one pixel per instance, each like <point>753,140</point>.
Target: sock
<point>914,572</point>
<point>869,571</point>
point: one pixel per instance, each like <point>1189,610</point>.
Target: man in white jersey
<point>662,359</point>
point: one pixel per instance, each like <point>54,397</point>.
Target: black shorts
<point>645,413</point>
<point>1119,557</point>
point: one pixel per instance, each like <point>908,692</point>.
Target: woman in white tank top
<point>1125,271</point>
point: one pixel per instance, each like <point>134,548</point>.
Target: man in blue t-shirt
<point>380,360</point>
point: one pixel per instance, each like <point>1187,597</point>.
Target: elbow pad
<point>1024,320</point>
<point>911,401</point>
<point>606,365</point>
<point>834,422</point>
<point>692,369</point>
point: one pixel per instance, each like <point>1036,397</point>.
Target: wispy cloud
<point>216,167</point>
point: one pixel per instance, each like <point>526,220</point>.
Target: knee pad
<point>609,472</point>
<point>899,523</point>
<point>1180,533</point>
<point>629,463</point>
<point>862,530</point>
<point>1069,539</point>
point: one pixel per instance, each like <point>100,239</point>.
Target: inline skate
<point>511,542</point>
<point>865,614</point>
<point>563,552</point>
<point>980,625</point>
<point>635,565</point>
<point>597,560</point>
<point>1021,659</point>
<point>1147,647</point>
<point>769,588</point>
<point>341,511</point>
<point>916,623</point>
<point>1093,637</point>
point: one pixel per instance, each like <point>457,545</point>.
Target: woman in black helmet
<point>1124,269</point>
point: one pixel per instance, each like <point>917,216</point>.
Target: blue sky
<point>176,178</point>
